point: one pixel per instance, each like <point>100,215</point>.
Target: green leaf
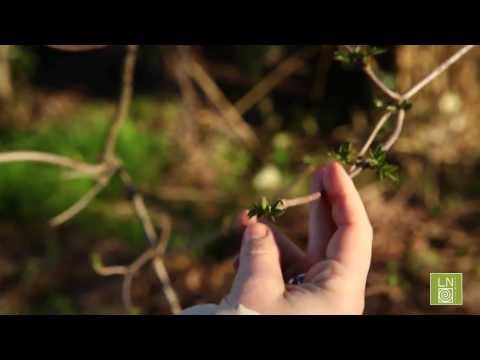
<point>344,154</point>
<point>388,171</point>
<point>358,56</point>
<point>391,105</point>
<point>266,210</point>
<point>377,159</point>
<point>264,204</point>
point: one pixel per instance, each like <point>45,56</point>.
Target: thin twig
<point>82,203</point>
<point>367,68</point>
<point>286,68</point>
<point>380,84</point>
<point>372,137</point>
<point>52,159</point>
<point>111,270</point>
<point>299,201</point>
<point>133,269</point>
<point>171,296</point>
<point>155,253</point>
<point>354,173</point>
<point>140,208</point>
<point>437,72</point>
<point>374,133</point>
<point>397,132</point>
<point>231,115</point>
<point>121,112</point>
<point>360,165</point>
<point>189,129</point>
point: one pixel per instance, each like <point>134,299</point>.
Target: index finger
<point>351,244</point>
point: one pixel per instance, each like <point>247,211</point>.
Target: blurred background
<point>189,162</point>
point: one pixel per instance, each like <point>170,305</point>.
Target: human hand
<point>336,262</point>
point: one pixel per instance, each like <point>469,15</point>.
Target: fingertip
<point>335,178</point>
<point>335,166</point>
<point>347,206</point>
<point>245,220</point>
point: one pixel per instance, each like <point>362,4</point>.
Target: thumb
<point>259,273</point>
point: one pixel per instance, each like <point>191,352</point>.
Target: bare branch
<point>375,79</point>
<point>124,103</point>
<point>288,203</point>
<point>374,133</point>
<point>380,84</point>
<point>286,68</point>
<point>133,269</point>
<point>170,294</point>
<point>52,159</point>
<point>396,133</point>
<point>231,115</point>
<point>356,170</point>
<point>155,253</point>
<point>372,137</point>
<point>81,204</point>
<point>140,208</point>
<point>354,173</point>
<point>103,270</point>
<point>438,71</point>
<point>188,128</point>
<point>111,270</point>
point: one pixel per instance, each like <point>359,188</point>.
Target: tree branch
<point>359,166</point>
<point>234,119</point>
<point>124,102</point>
<point>371,138</point>
<point>299,201</point>
<point>52,159</point>
<point>380,84</point>
<point>285,69</point>
<point>81,204</point>
<point>437,72</point>
<point>397,132</point>
<point>155,253</point>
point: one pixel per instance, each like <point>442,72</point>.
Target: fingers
<point>292,259</point>
<point>351,244</point>
<point>259,266</point>
<point>320,223</point>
